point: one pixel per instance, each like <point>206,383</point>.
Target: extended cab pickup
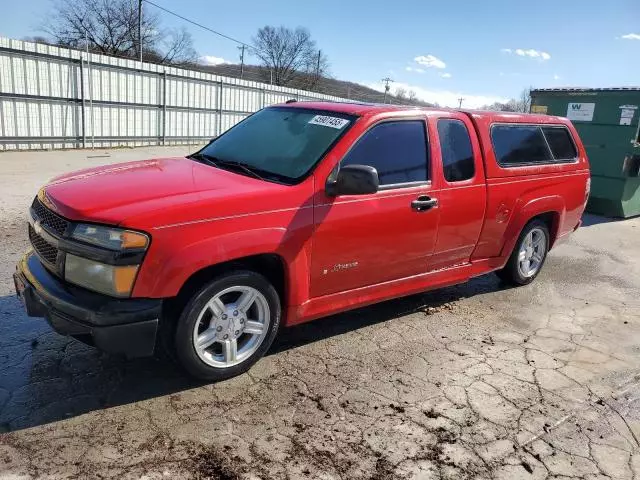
<point>300,211</point>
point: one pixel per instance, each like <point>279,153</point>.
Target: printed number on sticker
<point>333,122</point>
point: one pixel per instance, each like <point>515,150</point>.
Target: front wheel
<point>228,325</point>
<point>528,255</point>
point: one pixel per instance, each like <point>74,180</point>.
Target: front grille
<point>48,219</point>
<point>46,251</point>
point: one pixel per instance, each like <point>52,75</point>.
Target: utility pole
<point>90,85</point>
<point>242,60</point>
<point>140,30</point>
<point>460,102</point>
<point>317,76</point>
<point>387,87</point>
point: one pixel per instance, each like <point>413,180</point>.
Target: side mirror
<point>353,180</point>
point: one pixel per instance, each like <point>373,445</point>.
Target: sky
<point>479,50</point>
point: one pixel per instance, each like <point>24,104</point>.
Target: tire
<point>515,271</point>
<point>215,319</point>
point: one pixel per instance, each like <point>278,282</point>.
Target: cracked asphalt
<point>474,381</point>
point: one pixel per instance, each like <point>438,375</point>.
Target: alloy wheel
<point>231,326</point>
<point>531,253</point>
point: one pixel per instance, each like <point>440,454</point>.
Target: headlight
<point>109,279</point>
<point>109,237</point>
<point>114,280</point>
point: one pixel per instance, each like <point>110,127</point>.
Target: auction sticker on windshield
<point>333,122</point>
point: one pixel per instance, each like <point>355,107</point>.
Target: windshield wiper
<point>203,157</point>
<point>216,162</point>
<point>242,166</point>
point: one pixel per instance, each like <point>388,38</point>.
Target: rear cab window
<point>560,143</point>
<point>524,145</point>
<point>458,162</point>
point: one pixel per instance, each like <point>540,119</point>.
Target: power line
<point>244,45</point>
<point>197,24</point>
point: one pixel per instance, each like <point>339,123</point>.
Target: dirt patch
<point>431,413</point>
<point>444,307</point>
<point>209,463</point>
<point>384,470</point>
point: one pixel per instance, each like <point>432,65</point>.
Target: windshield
<point>279,142</point>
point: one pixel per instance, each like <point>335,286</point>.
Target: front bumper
<point>119,326</point>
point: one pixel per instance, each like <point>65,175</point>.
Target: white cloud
<point>528,53</point>
<point>430,61</point>
<point>532,53</point>
<point>211,60</point>
<point>414,69</point>
<point>631,36</point>
<point>445,75</point>
<point>445,98</point>
<point>556,77</point>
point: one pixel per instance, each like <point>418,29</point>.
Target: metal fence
<point>53,97</point>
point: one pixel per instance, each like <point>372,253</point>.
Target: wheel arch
<point>552,220</point>
<point>271,265</point>
<point>550,210</point>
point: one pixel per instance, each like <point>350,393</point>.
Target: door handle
<point>424,203</point>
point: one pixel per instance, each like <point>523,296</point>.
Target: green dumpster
<point>607,121</point>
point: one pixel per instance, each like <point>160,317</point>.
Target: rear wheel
<point>228,325</point>
<point>528,256</point>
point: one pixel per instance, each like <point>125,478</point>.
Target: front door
<point>362,240</point>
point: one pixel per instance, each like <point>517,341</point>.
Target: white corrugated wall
<point>52,97</point>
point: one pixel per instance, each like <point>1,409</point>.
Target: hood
<point>158,192</point>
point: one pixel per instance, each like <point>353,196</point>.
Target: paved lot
<point>476,381</point>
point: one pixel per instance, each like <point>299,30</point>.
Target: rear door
<point>361,240</point>
<point>463,194</point>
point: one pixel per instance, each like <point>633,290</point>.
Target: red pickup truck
<point>300,211</point>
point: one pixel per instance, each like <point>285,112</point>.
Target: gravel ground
<point>475,381</point>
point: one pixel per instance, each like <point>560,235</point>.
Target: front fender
<point>167,269</point>
<point>525,211</point>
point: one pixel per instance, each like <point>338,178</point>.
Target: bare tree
<point>37,39</point>
<point>412,96</point>
<point>401,93</point>
<point>316,71</point>
<point>288,53</point>
<point>510,106</point>
<point>111,27</point>
<point>522,104</point>
<point>175,47</point>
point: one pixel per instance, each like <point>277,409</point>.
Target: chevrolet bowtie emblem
<point>46,200</point>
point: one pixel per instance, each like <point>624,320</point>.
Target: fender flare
<point>553,204</point>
